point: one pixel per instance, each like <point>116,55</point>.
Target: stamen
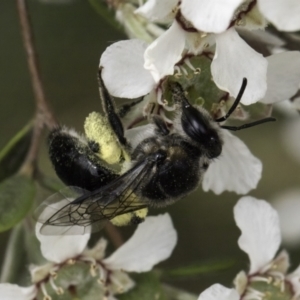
<point>102,274</point>
<point>162,114</point>
<point>178,73</point>
<point>197,71</point>
<point>44,291</point>
<point>164,102</point>
<point>189,64</point>
<point>71,261</point>
<point>268,280</point>
<point>58,290</point>
<point>252,294</point>
<point>184,71</point>
<point>93,269</point>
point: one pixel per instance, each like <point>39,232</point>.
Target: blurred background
<point>70,39</point>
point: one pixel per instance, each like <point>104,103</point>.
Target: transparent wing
<point>76,211</point>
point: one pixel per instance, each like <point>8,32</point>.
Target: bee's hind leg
<point>75,163</point>
<point>105,133</point>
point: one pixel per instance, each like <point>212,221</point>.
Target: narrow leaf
<point>200,268</point>
<point>16,198</point>
<point>13,154</point>
<point>108,15</point>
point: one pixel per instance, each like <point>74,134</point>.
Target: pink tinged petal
<point>260,238</point>
<point>162,55</point>
<point>59,248</point>
<point>283,76</point>
<point>284,14</point>
<point>14,292</point>
<point>123,72</point>
<point>233,61</point>
<point>209,16</point>
<point>158,11</point>
<point>152,242</point>
<point>219,292</point>
<point>236,170</point>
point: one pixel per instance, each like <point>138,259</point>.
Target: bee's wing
<point>74,210</point>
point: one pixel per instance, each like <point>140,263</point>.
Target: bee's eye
<point>194,124</point>
<point>197,126</point>
<point>214,147</point>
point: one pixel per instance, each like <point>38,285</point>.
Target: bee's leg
<point>126,108</point>
<point>75,163</point>
<point>161,126</point>
<point>109,109</point>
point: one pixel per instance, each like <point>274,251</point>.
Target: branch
<point>43,115</point>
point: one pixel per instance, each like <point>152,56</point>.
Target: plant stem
<point>43,115</point>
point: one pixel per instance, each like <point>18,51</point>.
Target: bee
<point>159,165</point>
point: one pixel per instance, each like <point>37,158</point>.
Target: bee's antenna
<point>244,126</point>
<point>236,102</point>
<point>234,106</point>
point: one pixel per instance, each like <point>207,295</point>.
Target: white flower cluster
<point>260,239</point>
<point>152,242</point>
<point>134,68</point>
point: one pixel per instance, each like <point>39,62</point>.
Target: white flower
<point>233,59</point>
<point>283,76</point>
<point>15,292</point>
<point>237,170</point>
<point>59,248</point>
<point>152,242</point>
<point>260,239</point>
<point>219,292</point>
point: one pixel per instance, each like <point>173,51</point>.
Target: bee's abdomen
<point>75,163</point>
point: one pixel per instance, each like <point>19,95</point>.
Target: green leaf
<point>13,154</point>
<point>173,293</point>
<point>200,268</point>
<point>148,287</point>
<point>108,15</point>
<point>16,198</point>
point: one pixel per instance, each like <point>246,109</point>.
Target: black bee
<point>159,165</point>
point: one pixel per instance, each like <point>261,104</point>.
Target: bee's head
<point>197,124</point>
<point>200,129</point>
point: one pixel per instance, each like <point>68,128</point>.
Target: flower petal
<point>152,242</point>
<point>260,237</point>
<point>158,11</point>
<point>123,71</point>
<point>284,14</point>
<point>237,170</point>
<point>287,205</point>
<point>171,42</point>
<point>209,16</point>
<point>219,292</point>
<point>14,292</point>
<point>233,61</point>
<point>283,76</point>
<point>59,248</point>
<point>294,279</point>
